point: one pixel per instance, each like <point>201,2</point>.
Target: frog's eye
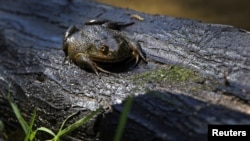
<point>104,49</point>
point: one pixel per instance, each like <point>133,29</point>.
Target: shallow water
<point>230,12</point>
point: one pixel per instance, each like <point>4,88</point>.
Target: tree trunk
<point>197,73</point>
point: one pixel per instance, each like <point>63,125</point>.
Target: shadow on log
<point>198,73</point>
<point>175,117</point>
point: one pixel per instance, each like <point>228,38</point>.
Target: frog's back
<point>96,32</point>
<point>99,35</point>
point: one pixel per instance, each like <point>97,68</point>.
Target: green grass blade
<point>20,119</point>
<point>67,120</point>
<point>44,129</point>
<point>77,124</point>
<point>1,126</point>
<point>30,136</point>
<point>123,118</point>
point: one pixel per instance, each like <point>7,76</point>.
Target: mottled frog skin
<point>98,48</point>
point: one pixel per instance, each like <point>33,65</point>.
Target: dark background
<point>230,12</point>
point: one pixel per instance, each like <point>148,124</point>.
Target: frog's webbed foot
<point>84,62</point>
<point>117,25</point>
<point>96,22</point>
<point>109,24</point>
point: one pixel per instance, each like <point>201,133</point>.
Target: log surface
<point>210,85</point>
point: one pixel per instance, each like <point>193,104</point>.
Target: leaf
<point>77,124</point>
<point>21,120</point>
<point>123,118</point>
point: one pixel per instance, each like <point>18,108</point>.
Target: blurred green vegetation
<point>230,12</point>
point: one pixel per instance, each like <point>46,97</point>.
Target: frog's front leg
<point>82,60</point>
<point>137,52</point>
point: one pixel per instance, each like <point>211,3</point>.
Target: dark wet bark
<point>31,60</point>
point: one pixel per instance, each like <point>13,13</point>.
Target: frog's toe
<point>84,62</point>
<point>137,58</point>
<point>103,70</point>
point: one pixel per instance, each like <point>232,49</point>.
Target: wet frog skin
<point>96,47</point>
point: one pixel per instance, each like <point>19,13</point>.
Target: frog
<point>100,46</point>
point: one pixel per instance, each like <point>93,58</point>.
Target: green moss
<point>170,74</point>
